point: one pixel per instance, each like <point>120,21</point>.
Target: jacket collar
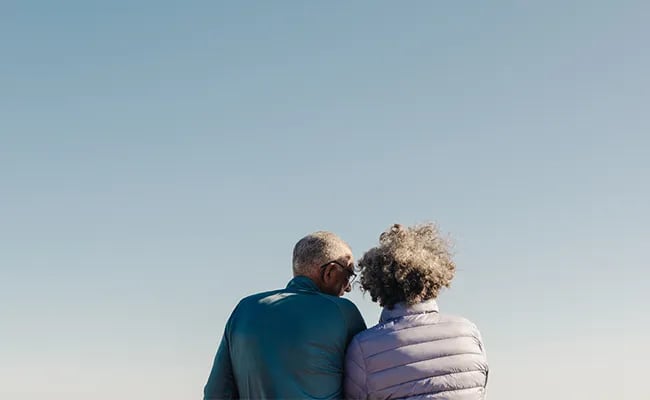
<point>302,283</point>
<point>401,309</point>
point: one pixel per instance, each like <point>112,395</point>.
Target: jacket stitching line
<point>420,326</point>
<point>431,395</point>
<point>430,359</point>
<point>424,341</point>
<point>436,376</point>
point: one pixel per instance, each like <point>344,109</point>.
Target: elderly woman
<point>414,351</point>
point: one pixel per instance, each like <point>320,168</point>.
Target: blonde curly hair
<point>411,265</point>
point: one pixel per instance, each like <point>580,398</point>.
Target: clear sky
<point>158,161</point>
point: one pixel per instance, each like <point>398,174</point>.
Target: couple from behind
<point>306,341</point>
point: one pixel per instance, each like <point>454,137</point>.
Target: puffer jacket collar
<point>401,310</point>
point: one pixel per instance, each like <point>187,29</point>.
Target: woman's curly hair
<point>410,265</point>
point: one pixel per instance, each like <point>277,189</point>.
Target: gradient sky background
<point>158,161</point>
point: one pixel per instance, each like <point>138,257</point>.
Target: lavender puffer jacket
<point>417,353</point>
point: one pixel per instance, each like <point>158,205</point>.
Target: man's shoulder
<point>256,297</point>
<point>348,306</point>
<point>350,314</point>
<point>326,304</point>
<point>343,304</point>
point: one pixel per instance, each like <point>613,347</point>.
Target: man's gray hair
<point>316,249</point>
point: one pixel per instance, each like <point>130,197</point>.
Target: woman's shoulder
<point>436,324</point>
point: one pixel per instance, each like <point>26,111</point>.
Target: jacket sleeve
<point>485,362</point>
<point>221,382</point>
<point>354,380</point>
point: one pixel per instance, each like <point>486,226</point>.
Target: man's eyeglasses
<point>351,275</point>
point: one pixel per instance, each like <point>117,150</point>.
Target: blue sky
<point>159,160</point>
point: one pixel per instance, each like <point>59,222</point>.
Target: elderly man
<point>290,343</point>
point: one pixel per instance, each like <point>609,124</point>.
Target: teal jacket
<point>285,344</point>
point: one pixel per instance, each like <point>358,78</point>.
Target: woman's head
<point>411,265</point>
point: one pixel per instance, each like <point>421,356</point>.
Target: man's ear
<point>327,273</point>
